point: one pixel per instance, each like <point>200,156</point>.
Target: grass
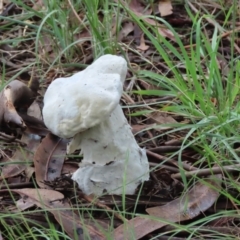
<point>201,78</point>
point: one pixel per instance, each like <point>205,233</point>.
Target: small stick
<point>164,149</point>
<point>174,142</point>
<point>171,161</point>
<point>208,171</point>
<point>172,169</point>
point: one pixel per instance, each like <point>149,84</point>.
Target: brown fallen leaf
<point>143,46</point>
<point>15,95</point>
<point>24,203</point>
<point>136,7</point>
<point>166,33</point>
<point>140,128</point>
<point>165,7</point>
<point>127,28</point>
<point>26,153</point>
<point>49,159</point>
<point>53,202</point>
<point>161,118</point>
<point>197,200</point>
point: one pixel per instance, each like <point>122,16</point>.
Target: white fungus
<point>85,107</point>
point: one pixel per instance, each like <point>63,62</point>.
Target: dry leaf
<point>143,45</point>
<point>166,33</point>
<point>26,154</point>
<point>53,202</point>
<point>197,200</point>
<point>162,118</point>
<point>15,94</point>
<point>127,28</point>
<point>165,7</point>
<point>49,158</point>
<point>29,171</point>
<point>140,128</point>
<point>136,7</point>
<point>24,203</point>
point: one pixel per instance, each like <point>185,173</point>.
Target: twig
<point>174,142</point>
<point>17,185</point>
<point>172,169</point>
<point>165,149</point>
<point>208,171</point>
<point>9,139</point>
<point>171,161</point>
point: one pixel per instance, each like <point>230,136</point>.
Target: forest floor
<point>181,98</point>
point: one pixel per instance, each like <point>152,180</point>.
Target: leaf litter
<point>31,156</point>
<point>198,199</point>
<point>49,158</point>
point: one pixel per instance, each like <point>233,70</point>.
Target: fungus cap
<point>77,103</point>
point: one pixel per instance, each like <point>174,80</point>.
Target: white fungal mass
<point>86,108</point>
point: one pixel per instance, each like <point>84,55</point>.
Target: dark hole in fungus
<point>109,163</point>
<point>51,170</point>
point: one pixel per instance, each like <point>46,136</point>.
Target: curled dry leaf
<point>165,7</point>
<point>49,158</point>
<point>197,200</point>
<point>53,202</point>
<point>26,154</point>
<point>15,95</point>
